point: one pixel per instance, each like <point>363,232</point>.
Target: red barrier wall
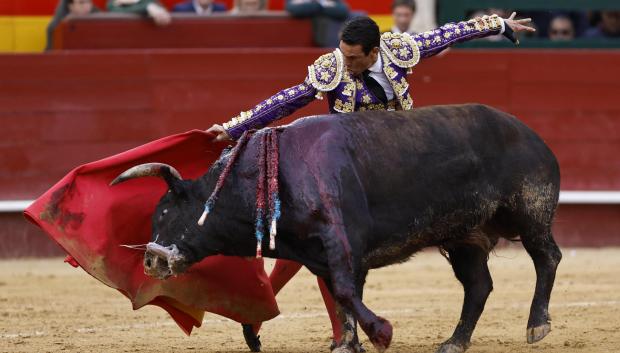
<point>110,31</point>
<point>63,109</point>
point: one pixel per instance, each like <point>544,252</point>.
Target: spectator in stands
<point>81,7</point>
<point>200,7</point>
<point>328,17</point>
<point>335,9</point>
<point>402,13</point>
<point>609,27</point>
<point>249,6</point>
<point>561,28</point>
<point>151,8</point>
<point>68,8</point>
<point>425,17</point>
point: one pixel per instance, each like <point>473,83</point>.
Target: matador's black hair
<point>361,30</point>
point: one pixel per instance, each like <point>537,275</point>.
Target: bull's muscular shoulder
<point>400,48</point>
<point>326,72</point>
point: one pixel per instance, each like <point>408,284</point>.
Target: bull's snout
<point>156,266</point>
<point>162,261</point>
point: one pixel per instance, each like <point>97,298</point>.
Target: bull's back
<point>428,159</point>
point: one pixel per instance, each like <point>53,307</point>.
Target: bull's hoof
<point>380,334</point>
<point>535,334</point>
<point>357,348</point>
<point>251,339</point>
<point>343,349</point>
<point>451,348</point>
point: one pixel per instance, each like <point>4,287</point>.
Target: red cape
<point>91,220</point>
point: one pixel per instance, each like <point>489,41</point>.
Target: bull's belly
<point>398,242</point>
<point>395,252</point>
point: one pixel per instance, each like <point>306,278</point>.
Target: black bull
<point>366,190</point>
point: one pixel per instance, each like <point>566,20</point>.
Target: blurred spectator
<point>561,28</point>
<point>249,6</point>
<point>503,13</point>
<point>335,9</point>
<point>542,20</point>
<point>200,7</point>
<point>402,14</point>
<point>327,16</point>
<point>152,8</point>
<point>68,8</point>
<point>609,27</point>
<point>425,18</point>
<point>81,7</point>
<point>488,12</point>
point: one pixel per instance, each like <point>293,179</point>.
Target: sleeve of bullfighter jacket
<point>433,42</point>
<point>278,106</point>
<point>324,75</point>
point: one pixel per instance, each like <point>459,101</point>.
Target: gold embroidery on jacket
<point>401,49</point>
<point>326,72</point>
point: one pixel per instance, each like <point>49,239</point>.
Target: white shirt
<point>396,30</point>
<point>376,72</point>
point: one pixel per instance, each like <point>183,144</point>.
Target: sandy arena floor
<point>47,306</point>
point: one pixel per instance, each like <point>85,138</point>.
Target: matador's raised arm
<point>327,72</point>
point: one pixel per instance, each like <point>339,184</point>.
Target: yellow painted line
<point>384,21</point>
<point>23,33</point>
<point>7,34</point>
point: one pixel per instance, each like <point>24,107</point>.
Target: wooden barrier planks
<point>63,109</point>
<point>124,31</point>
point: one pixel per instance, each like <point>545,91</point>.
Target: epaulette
<point>400,48</point>
<point>326,72</point>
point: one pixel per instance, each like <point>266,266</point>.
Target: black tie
<point>374,86</point>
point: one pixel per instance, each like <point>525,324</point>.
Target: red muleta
<point>92,221</point>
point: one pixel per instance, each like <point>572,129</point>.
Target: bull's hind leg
<point>546,256</point>
<point>469,263</point>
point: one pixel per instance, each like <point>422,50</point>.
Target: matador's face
<point>355,60</point>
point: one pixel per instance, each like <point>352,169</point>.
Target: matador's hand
<point>518,26</point>
<point>220,133</point>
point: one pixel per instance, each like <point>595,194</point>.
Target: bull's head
<point>177,240</point>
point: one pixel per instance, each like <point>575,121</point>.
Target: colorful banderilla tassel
<point>273,190</point>
<point>260,193</point>
<point>222,178</point>
<point>268,165</point>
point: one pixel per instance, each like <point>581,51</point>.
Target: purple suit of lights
<point>346,93</point>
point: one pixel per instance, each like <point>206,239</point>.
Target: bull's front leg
<point>347,342</point>
<point>349,339</point>
<point>344,267</point>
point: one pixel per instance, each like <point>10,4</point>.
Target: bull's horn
<point>147,169</point>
